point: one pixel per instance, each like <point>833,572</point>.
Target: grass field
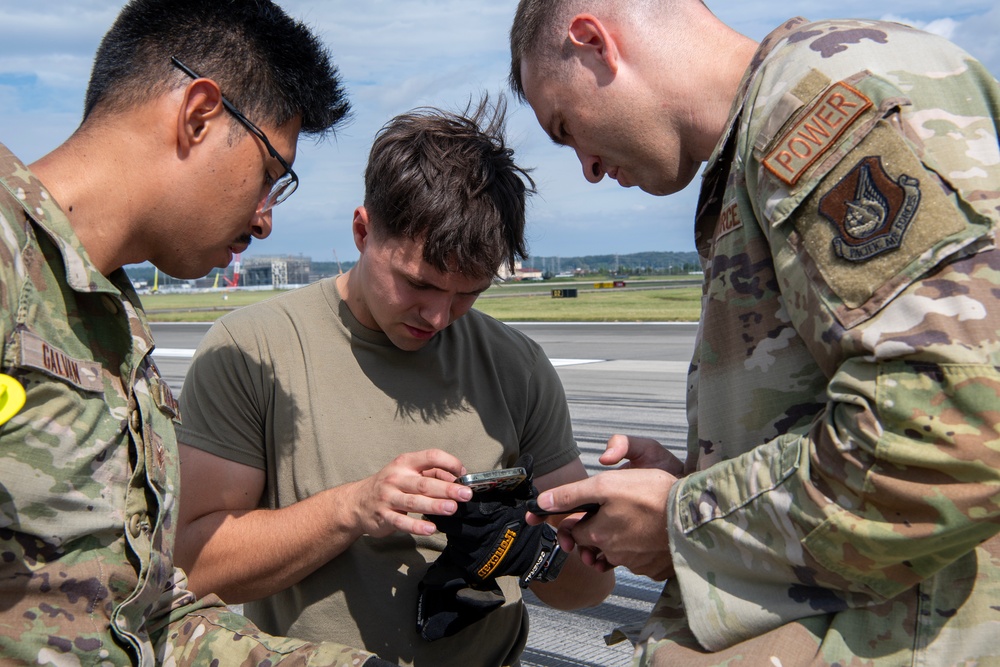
<point>523,303</point>
<point>680,304</point>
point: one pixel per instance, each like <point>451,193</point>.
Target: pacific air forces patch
<point>871,218</point>
<point>870,210</point>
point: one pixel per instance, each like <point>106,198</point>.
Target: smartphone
<point>589,508</point>
<point>494,480</point>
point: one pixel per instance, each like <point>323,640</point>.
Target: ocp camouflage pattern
<point>88,470</point>
<point>842,497</point>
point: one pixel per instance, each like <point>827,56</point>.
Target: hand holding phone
<point>489,537</point>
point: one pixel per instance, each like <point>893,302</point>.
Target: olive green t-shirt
<point>296,386</point>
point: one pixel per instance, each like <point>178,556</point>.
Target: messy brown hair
<point>450,180</point>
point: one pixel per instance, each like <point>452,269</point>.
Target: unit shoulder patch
<point>867,223</point>
<point>870,211</point>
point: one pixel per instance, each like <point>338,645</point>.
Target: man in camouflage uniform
<point>162,169</point>
<point>839,504</point>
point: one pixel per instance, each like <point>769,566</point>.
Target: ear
<point>360,227</point>
<point>595,43</point>
<point>200,109</point>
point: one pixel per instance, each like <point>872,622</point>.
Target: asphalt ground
<point>619,378</point>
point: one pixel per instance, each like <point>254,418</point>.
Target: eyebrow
<point>423,284</point>
<point>480,290</point>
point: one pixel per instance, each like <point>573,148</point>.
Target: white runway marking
<point>173,352</point>
<point>181,353</point>
<point>575,362</point>
<point>630,365</point>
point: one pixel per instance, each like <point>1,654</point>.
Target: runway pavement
<point>619,378</point>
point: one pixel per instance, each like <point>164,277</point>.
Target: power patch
<point>815,132</point>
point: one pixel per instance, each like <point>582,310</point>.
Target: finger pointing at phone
<point>629,528</point>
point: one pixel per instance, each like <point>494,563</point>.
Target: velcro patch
<point>815,131</point>
<point>164,398</point>
<point>729,220</point>
<point>874,215</point>
<point>38,354</point>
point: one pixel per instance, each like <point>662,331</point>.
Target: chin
<point>408,343</point>
<point>664,189</point>
<point>658,191</point>
<point>194,274</point>
<point>187,272</point>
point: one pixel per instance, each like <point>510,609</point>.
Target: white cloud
<point>943,27</point>
<point>397,54</point>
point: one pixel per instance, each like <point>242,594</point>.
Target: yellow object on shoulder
<point>11,397</point>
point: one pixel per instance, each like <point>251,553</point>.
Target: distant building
<point>519,273</point>
<point>277,272</point>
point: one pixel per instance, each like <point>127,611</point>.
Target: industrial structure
<point>277,271</point>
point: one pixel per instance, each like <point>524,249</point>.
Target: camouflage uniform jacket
<point>844,406</point>
<point>88,471</point>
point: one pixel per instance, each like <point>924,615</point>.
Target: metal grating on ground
<point>576,638</point>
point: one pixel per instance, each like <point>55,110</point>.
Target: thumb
<point>616,450</point>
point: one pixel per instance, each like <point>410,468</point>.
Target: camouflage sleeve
<point>884,251</point>
<point>205,631</point>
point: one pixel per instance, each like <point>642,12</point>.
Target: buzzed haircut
<point>450,180</point>
<point>270,66</point>
<point>537,31</point>
<point>533,22</point>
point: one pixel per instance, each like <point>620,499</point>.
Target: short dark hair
<point>267,64</point>
<point>450,180</point>
<point>539,31</point>
<point>533,20</point>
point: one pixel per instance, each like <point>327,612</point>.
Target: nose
<point>261,227</point>
<point>593,169</point>
<point>437,312</point>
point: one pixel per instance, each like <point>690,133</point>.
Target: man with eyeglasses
<point>276,190</point>
<point>165,168</point>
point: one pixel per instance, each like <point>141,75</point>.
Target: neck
<point>729,75</point>
<point>90,178</point>
<point>352,292</point>
<point>710,59</point>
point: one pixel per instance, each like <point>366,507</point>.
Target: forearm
<point>577,586</point>
<point>250,554</point>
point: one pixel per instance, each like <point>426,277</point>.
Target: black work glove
<point>488,537</point>
<point>447,604</point>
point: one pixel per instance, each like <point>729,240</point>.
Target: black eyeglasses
<point>282,188</point>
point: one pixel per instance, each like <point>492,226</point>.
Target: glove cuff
<point>549,561</point>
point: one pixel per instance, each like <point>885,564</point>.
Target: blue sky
<point>399,54</point>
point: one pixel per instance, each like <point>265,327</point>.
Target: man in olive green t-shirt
<point>319,425</point>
